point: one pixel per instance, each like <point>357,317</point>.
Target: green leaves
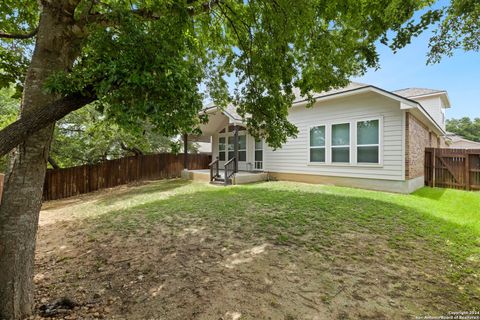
<point>465,127</point>
<point>156,61</point>
<point>456,26</point>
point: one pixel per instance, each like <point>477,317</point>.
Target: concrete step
<point>220,182</point>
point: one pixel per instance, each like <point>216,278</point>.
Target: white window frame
<point>228,135</point>
<point>246,155</point>
<point>317,147</point>
<point>380,143</point>
<point>254,154</point>
<point>353,144</point>
<point>221,135</point>
<point>351,136</point>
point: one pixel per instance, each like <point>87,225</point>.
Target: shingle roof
<point>351,86</point>
<point>415,92</point>
<point>408,93</point>
<point>231,110</point>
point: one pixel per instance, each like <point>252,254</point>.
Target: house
<point>458,142</point>
<point>357,136</point>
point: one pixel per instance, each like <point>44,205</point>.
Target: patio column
<point>185,151</point>
<point>235,146</point>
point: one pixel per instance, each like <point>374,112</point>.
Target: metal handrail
<point>230,167</point>
<point>214,173</point>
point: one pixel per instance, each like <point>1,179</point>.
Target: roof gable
<point>353,88</point>
<point>416,93</point>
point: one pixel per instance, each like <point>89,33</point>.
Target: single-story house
<point>358,136</point>
<point>458,142</point>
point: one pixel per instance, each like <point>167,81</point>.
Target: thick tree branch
<point>14,134</point>
<point>19,35</point>
<point>53,163</point>
<point>136,151</point>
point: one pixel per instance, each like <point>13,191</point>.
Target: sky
<point>459,75</point>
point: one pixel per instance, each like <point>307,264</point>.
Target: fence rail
<point>63,183</point>
<point>452,168</point>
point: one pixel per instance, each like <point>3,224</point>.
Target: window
<point>231,146</point>
<point>258,155</point>
<point>221,148</point>
<point>341,143</point>
<point>242,148</point>
<point>317,144</point>
<point>368,141</point>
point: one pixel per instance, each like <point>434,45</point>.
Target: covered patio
<point>240,177</point>
<point>236,156</point>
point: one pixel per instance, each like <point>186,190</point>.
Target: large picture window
<point>341,143</point>
<point>317,144</point>
<point>368,141</point>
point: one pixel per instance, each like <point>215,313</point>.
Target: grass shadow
<point>430,193</point>
<point>143,189</point>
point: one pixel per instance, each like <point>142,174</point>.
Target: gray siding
<point>293,156</point>
<point>434,106</point>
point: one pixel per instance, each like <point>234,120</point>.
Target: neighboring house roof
<point>462,143</point>
<point>407,102</point>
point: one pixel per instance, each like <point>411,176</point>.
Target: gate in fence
<point>452,168</point>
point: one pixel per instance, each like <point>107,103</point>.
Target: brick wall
<point>1,186</point>
<point>418,137</point>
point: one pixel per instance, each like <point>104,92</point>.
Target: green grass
<point>431,229</point>
<point>290,210</point>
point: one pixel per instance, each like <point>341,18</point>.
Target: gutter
<point>409,101</point>
<point>317,98</point>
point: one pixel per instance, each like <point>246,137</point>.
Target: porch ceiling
<point>216,121</point>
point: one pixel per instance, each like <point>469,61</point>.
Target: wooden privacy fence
<point>452,168</point>
<point>63,183</point>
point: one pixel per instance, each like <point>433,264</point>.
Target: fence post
<point>433,167</point>
<point>467,169</point>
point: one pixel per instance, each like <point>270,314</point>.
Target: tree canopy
<point>456,26</point>
<point>465,127</point>
<point>146,60</point>
<point>86,136</point>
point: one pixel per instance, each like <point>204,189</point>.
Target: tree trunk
<point>55,50</point>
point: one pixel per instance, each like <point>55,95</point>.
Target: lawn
<point>275,250</point>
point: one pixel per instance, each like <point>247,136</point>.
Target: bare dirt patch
<point>180,268</point>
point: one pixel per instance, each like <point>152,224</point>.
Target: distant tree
<point>86,136</point>
<point>8,113</point>
<point>465,127</point>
